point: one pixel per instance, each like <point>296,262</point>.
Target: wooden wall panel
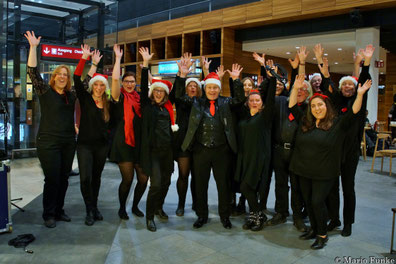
<point>192,23</point>
<point>317,4</point>
<point>348,3</point>
<point>131,35</point>
<point>175,27</point>
<point>159,30</point>
<point>286,7</point>
<point>385,101</point>
<point>144,32</point>
<point>234,15</point>
<point>259,11</point>
<point>212,19</point>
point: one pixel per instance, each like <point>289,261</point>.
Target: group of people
<point>308,132</point>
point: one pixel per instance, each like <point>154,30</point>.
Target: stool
<point>393,231</point>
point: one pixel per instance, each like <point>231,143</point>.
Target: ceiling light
<point>288,52</point>
<point>339,49</point>
<point>314,58</point>
<point>297,47</point>
<point>381,73</point>
<point>326,54</point>
<point>335,62</point>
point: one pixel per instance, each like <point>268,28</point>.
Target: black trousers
<point>91,161</point>
<point>348,171</point>
<point>160,179</point>
<point>251,196</point>
<point>56,159</point>
<point>218,159</point>
<point>315,193</point>
<point>281,161</point>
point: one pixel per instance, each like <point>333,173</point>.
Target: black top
<point>254,142</point>
<point>57,110</point>
<point>162,138</point>
<point>93,129</point>
<point>182,114</point>
<point>317,153</point>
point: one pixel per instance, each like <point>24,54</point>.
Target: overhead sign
<point>54,51</point>
<point>167,68</point>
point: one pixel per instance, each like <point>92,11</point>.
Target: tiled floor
<point>177,242</point>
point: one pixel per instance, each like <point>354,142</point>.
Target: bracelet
<point>96,65</point>
<point>302,64</point>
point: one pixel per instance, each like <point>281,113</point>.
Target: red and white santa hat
<point>348,78</point>
<point>98,77</point>
<point>167,86</point>
<point>212,78</point>
<point>198,82</point>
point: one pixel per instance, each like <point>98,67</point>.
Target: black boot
<point>258,221</point>
<point>161,214</point>
<point>320,242</point>
<point>249,221</point>
<point>310,234</point>
<point>96,214</point>
<point>299,224</point>
<point>137,212</point>
<point>200,222</point>
<point>276,220</point>
<point>89,219</point>
<point>123,214</point>
<point>347,230</point>
<point>151,225</point>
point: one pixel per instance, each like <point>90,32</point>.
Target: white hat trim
<point>98,78</point>
<point>175,127</point>
<point>159,84</point>
<point>347,78</point>
<point>194,80</point>
<point>213,81</point>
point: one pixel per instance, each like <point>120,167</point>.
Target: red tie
<point>212,108</point>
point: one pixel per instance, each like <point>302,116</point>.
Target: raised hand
<point>118,51</point>
<point>205,62</point>
<point>357,58</point>
<point>259,59</point>
<point>299,82</point>
<point>220,71</point>
<point>146,55</point>
<point>302,54</point>
<point>294,63</point>
<point>271,64</point>
<point>33,41</point>
<point>368,54</point>
<point>362,89</point>
<point>236,71</point>
<point>96,57</point>
<point>187,58</point>
<point>184,69</point>
<point>325,68</point>
<point>86,49</point>
<point>319,51</point>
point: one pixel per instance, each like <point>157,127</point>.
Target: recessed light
<point>381,73</point>
<point>339,49</point>
<point>288,52</point>
<point>335,62</point>
<point>326,54</point>
<point>297,47</point>
<point>314,58</point>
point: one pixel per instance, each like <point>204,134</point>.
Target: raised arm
<point>95,55</point>
<point>115,80</point>
<point>239,95</point>
<point>295,65</point>
<point>357,60</point>
<point>78,84</point>
<point>319,51</point>
<point>367,54</point>
<point>33,42</point>
<point>205,63</point>
<point>362,89</point>
<point>146,55</point>
<point>302,55</point>
<point>298,84</point>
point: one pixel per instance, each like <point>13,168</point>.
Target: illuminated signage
<point>54,51</point>
<point>164,68</point>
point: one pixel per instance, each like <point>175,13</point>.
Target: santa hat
<point>98,77</point>
<point>198,82</point>
<point>212,78</point>
<point>167,86</point>
<point>313,75</point>
<point>164,84</point>
<point>348,78</point>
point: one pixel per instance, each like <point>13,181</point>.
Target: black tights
<point>184,165</point>
<point>251,196</point>
<point>127,169</point>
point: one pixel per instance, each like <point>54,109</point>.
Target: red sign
<point>379,64</point>
<point>55,51</point>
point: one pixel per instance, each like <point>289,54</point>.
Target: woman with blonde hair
<point>56,135</point>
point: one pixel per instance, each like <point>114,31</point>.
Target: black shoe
<point>63,217</point>
<point>151,225</point>
<point>200,222</point>
<point>320,242</point>
<point>161,214</point>
<point>226,222</point>
<point>276,220</point>
<point>97,216</point>
<point>346,231</point>
<point>258,222</point>
<point>310,234</point>
<point>123,214</point>
<point>50,223</point>
<point>137,212</point>
<point>180,211</point>
<point>300,225</point>
<point>74,173</point>
<point>249,221</point>
<point>89,219</point>
<point>333,224</point>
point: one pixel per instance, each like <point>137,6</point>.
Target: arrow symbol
<point>46,51</point>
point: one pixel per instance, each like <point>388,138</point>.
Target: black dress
<point>254,144</point>
<point>120,151</point>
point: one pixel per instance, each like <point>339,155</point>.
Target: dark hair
<point>251,80</point>
<point>309,121</point>
<point>164,100</point>
<point>127,74</point>
<point>247,100</point>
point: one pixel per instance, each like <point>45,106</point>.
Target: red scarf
<point>131,106</point>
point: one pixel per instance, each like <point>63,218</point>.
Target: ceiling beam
<point>85,2</point>
<point>51,7</point>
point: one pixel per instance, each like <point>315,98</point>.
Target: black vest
<point>210,131</point>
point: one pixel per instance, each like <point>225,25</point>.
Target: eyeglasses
<point>158,91</point>
<point>129,82</point>
<point>62,74</point>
